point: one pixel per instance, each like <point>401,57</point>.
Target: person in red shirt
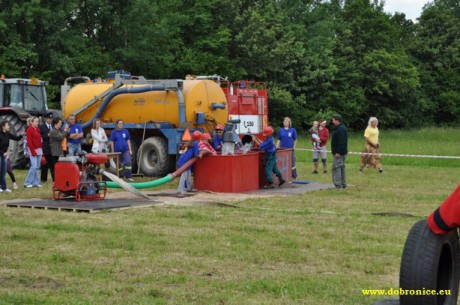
<point>447,217</point>
<point>323,134</point>
<point>34,145</point>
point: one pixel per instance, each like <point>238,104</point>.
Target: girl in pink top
<point>204,145</point>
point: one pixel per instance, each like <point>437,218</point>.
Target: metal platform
<point>71,205</point>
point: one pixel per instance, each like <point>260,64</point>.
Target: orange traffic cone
<point>186,136</point>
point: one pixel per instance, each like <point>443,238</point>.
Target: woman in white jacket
<point>99,138</point>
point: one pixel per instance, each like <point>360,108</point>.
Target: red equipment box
<point>284,162</point>
<point>227,174</point>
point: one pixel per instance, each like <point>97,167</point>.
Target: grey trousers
<point>185,178</point>
<point>338,172</point>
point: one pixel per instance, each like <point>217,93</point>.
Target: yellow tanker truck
<point>156,113</point>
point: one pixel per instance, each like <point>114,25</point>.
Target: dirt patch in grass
<point>44,282</point>
<point>40,282</point>
<point>168,197</point>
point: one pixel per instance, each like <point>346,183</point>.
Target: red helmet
<point>197,135</point>
<point>219,127</point>
<point>206,136</point>
<point>267,131</point>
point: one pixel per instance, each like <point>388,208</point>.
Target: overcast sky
<point>412,8</point>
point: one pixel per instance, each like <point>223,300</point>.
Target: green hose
<point>144,185</point>
<point>158,182</point>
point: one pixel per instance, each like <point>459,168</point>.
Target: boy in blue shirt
<point>120,142</point>
<point>270,157</point>
<point>217,139</point>
<point>191,151</point>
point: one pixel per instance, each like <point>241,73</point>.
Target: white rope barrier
<point>390,155</point>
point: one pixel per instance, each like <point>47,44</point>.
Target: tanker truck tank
<point>154,112</point>
<point>200,96</point>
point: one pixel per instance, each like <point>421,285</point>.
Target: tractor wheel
<point>154,158</point>
<point>16,149</point>
<point>134,160</point>
<point>429,262</point>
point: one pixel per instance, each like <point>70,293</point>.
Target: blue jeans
<point>3,163</point>
<point>32,174</point>
<point>73,148</point>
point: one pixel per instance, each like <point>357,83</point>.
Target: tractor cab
<point>21,98</point>
<point>23,95</point>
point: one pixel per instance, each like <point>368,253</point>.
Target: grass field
<point>320,247</point>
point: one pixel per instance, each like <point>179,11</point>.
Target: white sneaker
<point>1,191</point>
<point>38,185</point>
<point>15,186</point>
<point>28,186</point>
<point>7,190</point>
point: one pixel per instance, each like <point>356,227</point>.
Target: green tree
<point>375,76</point>
<point>391,82</point>
<point>149,38</point>
<point>206,39</point>
<point>268,50</point>
<point>315,69</point>
<point>437,50</point>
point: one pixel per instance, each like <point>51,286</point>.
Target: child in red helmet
<point>270,157</point>
<point>204,145</point>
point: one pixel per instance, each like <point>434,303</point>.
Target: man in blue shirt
<point>270,157</point>
<point>76,134</point>
<point>120,142</point>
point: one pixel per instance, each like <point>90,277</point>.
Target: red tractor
<point>20,99</point>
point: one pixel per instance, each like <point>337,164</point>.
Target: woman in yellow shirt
<point>371,156</point>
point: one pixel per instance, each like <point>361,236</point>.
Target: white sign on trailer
<point>248,123</point>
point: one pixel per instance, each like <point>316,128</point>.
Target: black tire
<point>16,149</point>
<point>135,149</point>
<point>429,262</point>
<point>154,158</point>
